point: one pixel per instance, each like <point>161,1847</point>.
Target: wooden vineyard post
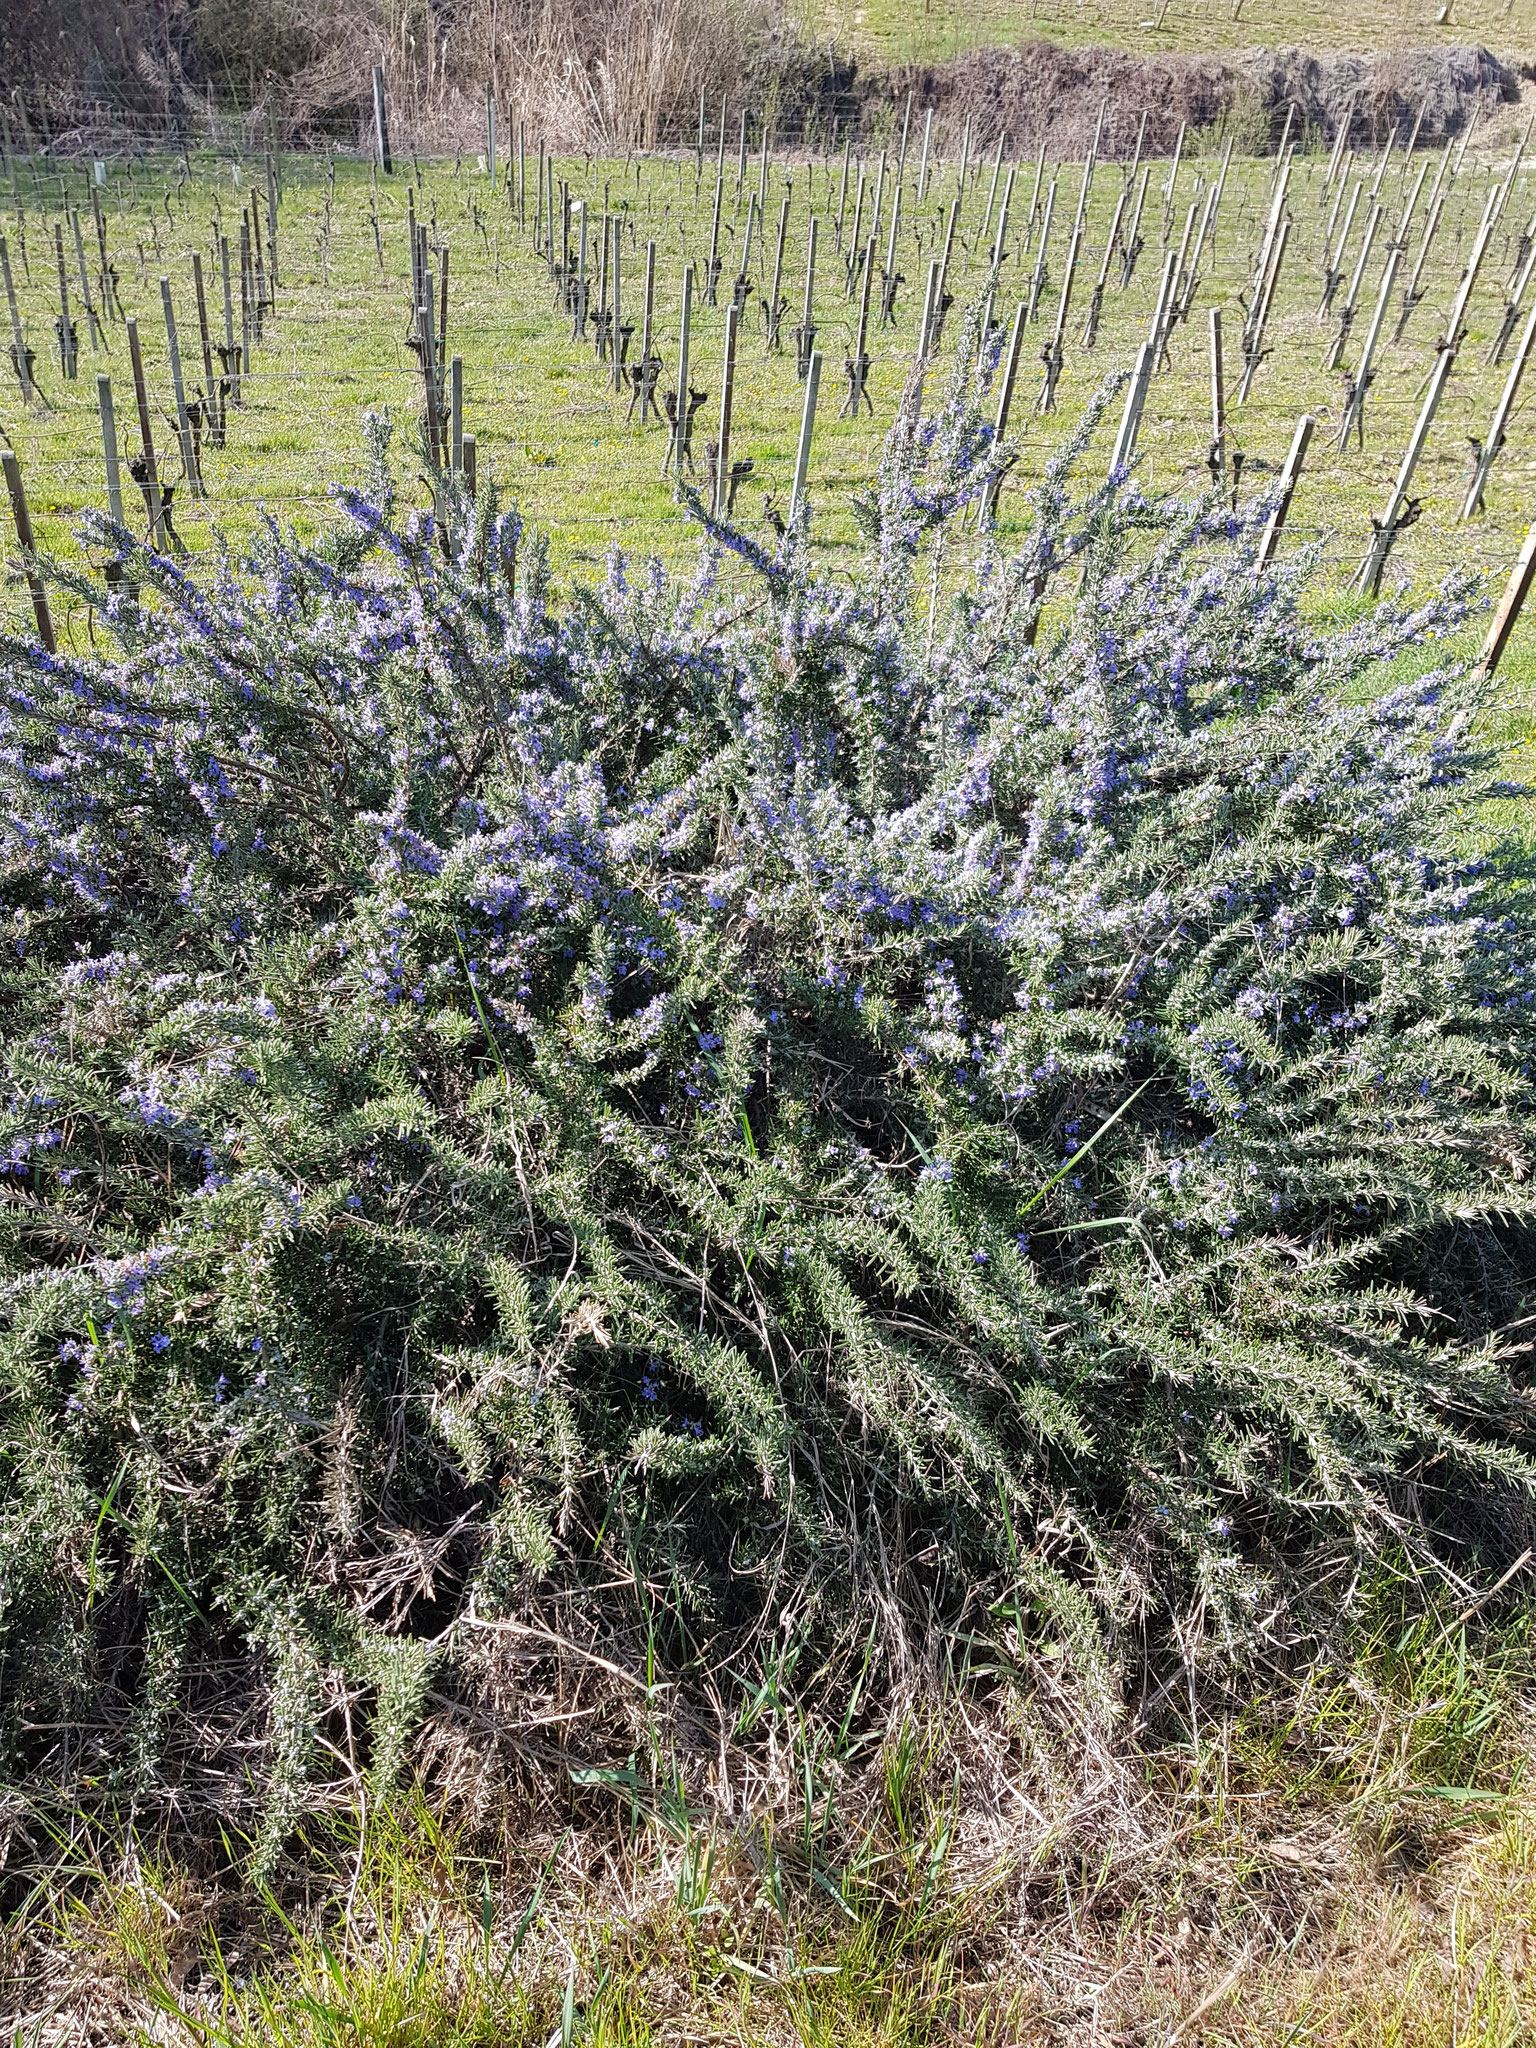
<point>456,415</point>
<point>999,241</point>
<point>178,388</point>
<point>1053,352</point>
<point>467,462</point>
<point>381,123</point>
<point>1386,529</point>
<point>1133,245</point>
<point>941,301</point>
<point>1414,292</point>
<point>109,447</point>
<point>213,402</point>
<point>1034,198</point>
<point>805,333</point>
<point>930,294</point>
<point>490,136</point>
<point>616,327</point>
<point>858,363</point>
<point>922,169</point>
<point>987,511</point>
<point>1037,282</point>
<point>679,446</point>
<point>1488,454</point>
<point>647,317</point>
<point>98,337</point>
<point>1347,310</point>
<point>727,392</point>
<point>245,299</point>
<point>807,423</point>
<point>997,168</point>
<point>65,324</point>
<point>1286,488</point>
<point>1333,254</point>
<point>146,474</point>
<point>1515,593</point>
<point>1096,302</point>
<point>1516,297</point>
<point>19,355</point>
<point>1141,377</point>
<point>1216,460</point>
<point>712,267</point>
<point>855,245</point>
<point>776,305</point>
<point>230,353</point>
<point>579,309</point>
<point>272,230</point>
<point>1254,350</point>
<point>23,521</point>
<point>1360,383</point>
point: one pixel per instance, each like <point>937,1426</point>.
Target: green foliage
<point>778,1113</point>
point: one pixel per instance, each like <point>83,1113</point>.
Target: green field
<point>553,433</point>
<point>944,28</point>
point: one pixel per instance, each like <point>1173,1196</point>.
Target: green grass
<point>944,28</point>
<point>553,433</point>
<point>1347,1861</point>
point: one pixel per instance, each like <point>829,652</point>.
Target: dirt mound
<point>1041,95</point>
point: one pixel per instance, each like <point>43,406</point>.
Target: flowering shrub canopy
<point>778,1080</point>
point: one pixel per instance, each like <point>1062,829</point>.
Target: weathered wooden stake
<point>456,415</point>
<point>1360,383</point>
<point>147,476</point>
<point>98,336</point>
<point>1515,593</point>
<point>1489,453</point>
<point>1134,243</point>
<point>19,354</point>
<point>1216,460</point>
<point>805,333</point>
<point>727,392</point>
<point>1254,350</point>
<point>381,123</point>
<point>1037,282</point>
<point>993,490</point>
<point>680,425</point>
<point>1347,310</point>
<point>1286,487</point>
<point>467,464</point>
<point>807,424</point>
<point>109,447</point>
<point>1385,530</point>
<point>178,388</point>
<point>66,326</point>
<point>922,169</point>
<point>23,521</point>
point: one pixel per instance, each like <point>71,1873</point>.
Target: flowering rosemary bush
<point>797,1089</point>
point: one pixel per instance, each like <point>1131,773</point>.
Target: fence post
<point>1515,593</point>
<point>19,513</point>
<point>1489,452</point>
<point>807,423</point>
<point>1218,455</point>
<point>381,122</point>
<point>680,424</point>
<point>18,340</point>
<point>151,479</point>
<point>178,388</point>
<point>1292,470</point>
<point>727,388</point>
<point>1386,528</point>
